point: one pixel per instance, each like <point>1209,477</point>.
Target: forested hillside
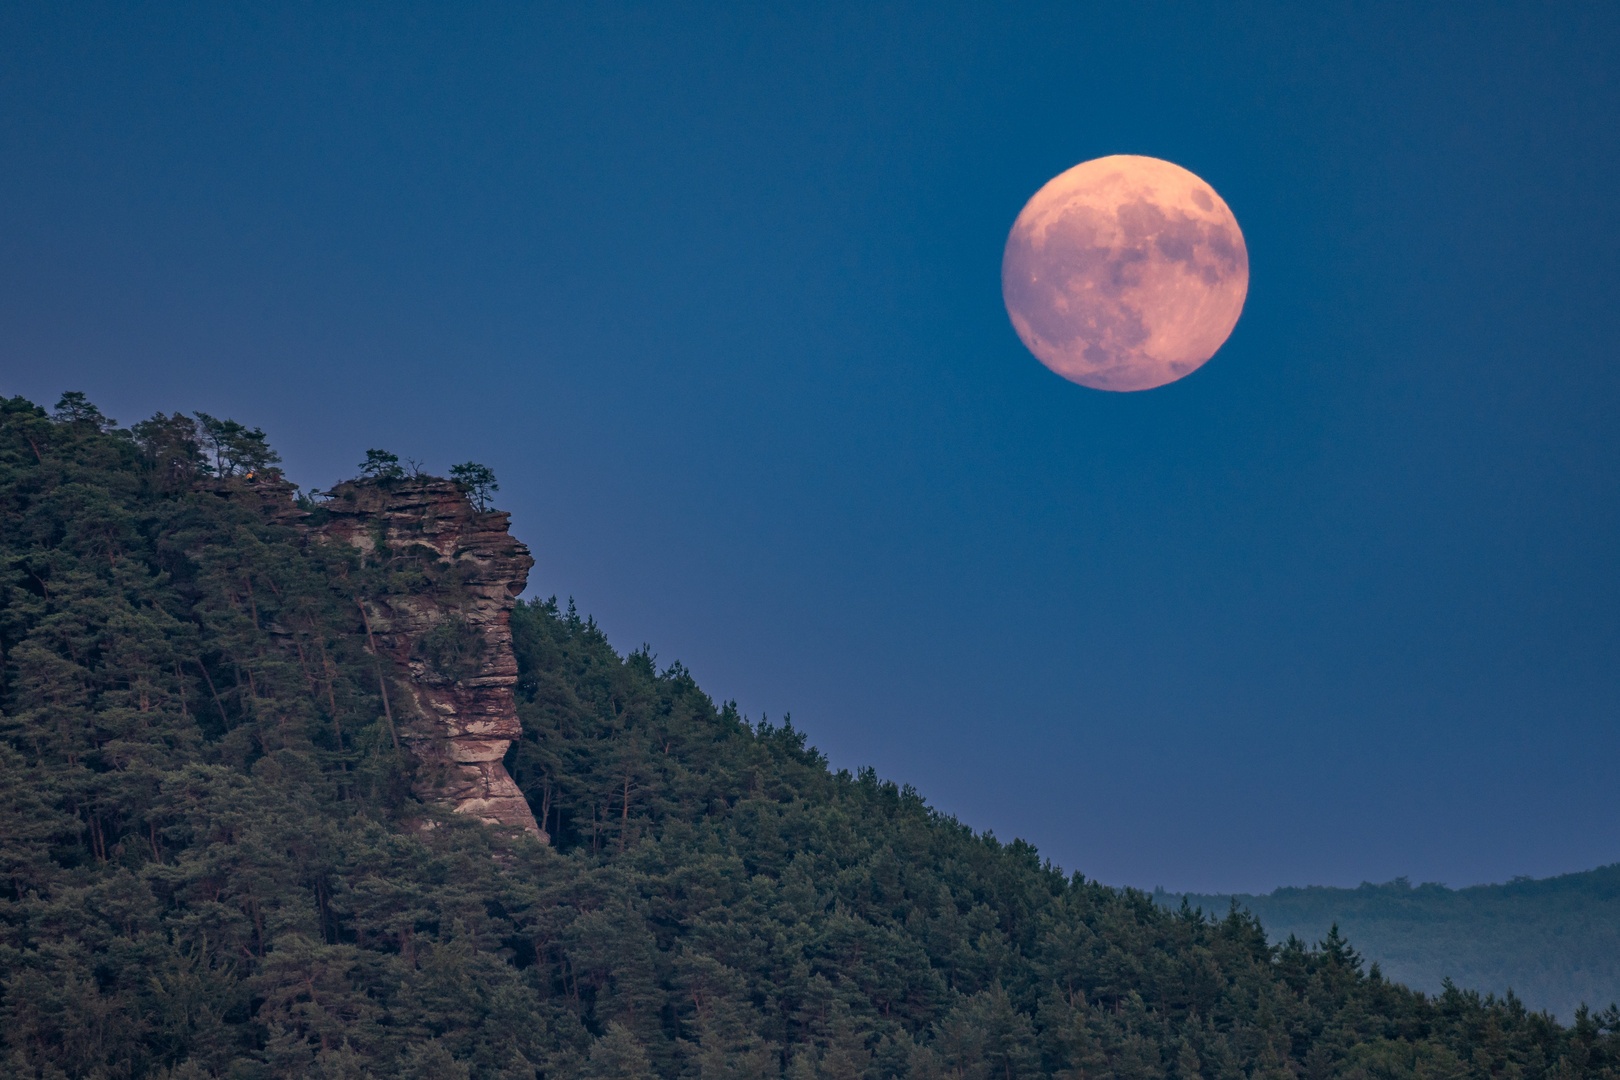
<point>215,866</point>
<point>1554,942</point>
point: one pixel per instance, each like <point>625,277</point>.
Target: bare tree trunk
<point>624,814</point>
<point>382,684</point>
<point>210,680</point>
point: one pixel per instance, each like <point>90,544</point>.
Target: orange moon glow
<point>1125,273</point>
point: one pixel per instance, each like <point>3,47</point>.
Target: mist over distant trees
<point>212,863</point>
<point>1554,942</point>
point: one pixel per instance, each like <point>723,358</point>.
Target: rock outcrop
<point>449,643</point>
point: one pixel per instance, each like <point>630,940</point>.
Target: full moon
<point>1125,273</point>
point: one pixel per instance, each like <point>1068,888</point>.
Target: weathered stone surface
<point>449,645</point>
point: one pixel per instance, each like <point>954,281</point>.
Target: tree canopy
<point>478,481</point>
<point>213,865</point>
<point>1555,941</point>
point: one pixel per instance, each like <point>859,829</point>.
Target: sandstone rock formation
<point>448,644</point>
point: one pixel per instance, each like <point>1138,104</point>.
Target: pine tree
<point>617,1055</point>
<point>211,862</point>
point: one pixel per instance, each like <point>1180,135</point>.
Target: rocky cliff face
<point>449,646</point>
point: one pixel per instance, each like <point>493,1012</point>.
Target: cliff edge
<point>449,644</point>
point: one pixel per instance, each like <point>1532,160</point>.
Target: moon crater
<point>1125,273</point>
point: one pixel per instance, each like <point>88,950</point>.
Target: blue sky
<point>715,290</point>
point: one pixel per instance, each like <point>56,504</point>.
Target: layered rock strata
<point>449,643</point>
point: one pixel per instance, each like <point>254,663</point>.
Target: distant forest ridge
<point>228,850</point>
<point>1555,941</point>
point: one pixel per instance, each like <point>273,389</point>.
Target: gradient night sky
<point>716,292</point>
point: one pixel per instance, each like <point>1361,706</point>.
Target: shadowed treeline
<point>1554,942</point>
<point>213,862</point>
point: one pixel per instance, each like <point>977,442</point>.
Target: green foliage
<point>174,448</point>
<point>453,649</point>
<point>1554,942</point>
<point>237,450</point>
<point>381,465</point>
<point>202,869</point>
<point>75,409</point>
<point>478,481</point>
<point>211,866</point>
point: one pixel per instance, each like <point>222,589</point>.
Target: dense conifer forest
<point>1554,941</point>
<point>213,865</point>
